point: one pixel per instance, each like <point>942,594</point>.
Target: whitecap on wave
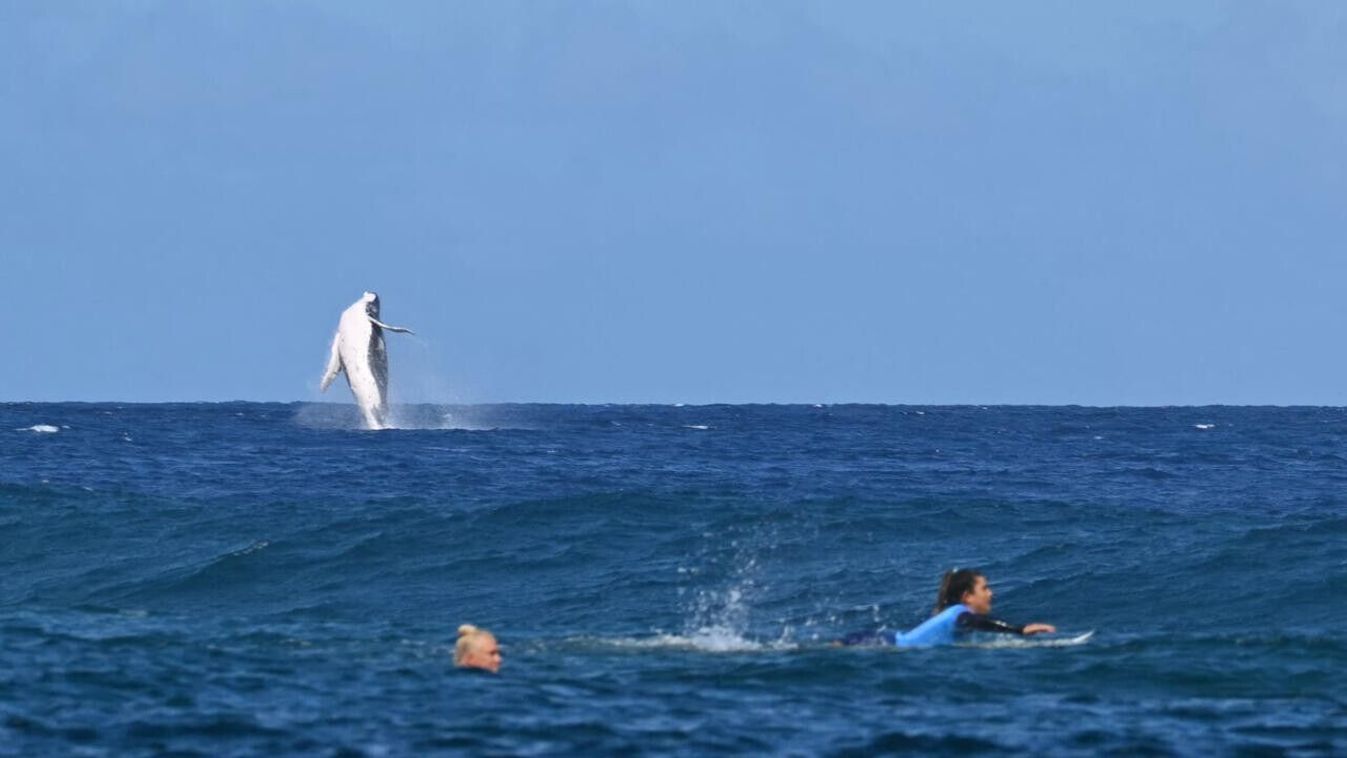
<point>253,548</point>
<point>40,429</point>
<point>403,417</point>
<point>708,640</point>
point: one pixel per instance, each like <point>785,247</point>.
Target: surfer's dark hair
<point>953,585</point>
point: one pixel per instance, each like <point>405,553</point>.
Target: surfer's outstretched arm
<point>333,364</point>
<point>382,325</point>
<point>981,622</point>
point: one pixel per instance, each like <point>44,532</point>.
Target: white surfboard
<point>1036,641</point>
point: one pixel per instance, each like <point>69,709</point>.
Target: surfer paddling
<point>962,605</point>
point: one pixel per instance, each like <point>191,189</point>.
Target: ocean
<point>267,579</point>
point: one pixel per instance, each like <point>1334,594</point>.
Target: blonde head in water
<point>476,649</point>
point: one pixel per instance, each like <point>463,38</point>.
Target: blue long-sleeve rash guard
<point>946,626</point>
<point>943,628</point>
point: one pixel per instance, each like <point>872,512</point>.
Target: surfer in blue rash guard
<point>963,605</point>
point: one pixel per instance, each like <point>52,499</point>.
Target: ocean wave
<point>211,581</point>
<point>676,590</point>
<point>346,416</point>
<point>705,640</point>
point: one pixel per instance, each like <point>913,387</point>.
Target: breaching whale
<point>358,349</point>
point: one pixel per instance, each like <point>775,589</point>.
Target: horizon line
<point>688,404</point>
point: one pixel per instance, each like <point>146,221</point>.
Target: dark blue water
<point>265,579</point>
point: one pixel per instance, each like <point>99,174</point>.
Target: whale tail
<point>333,364</point>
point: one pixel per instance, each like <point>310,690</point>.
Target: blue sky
<point>1056,202</point>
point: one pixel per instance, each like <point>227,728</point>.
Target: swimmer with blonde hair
<point>476,649</point>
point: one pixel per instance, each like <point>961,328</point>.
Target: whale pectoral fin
<point>333,365</point>
<point>382,325</point>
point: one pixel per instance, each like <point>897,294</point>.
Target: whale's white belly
<point>358,351</point>
<point>365,362</point>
